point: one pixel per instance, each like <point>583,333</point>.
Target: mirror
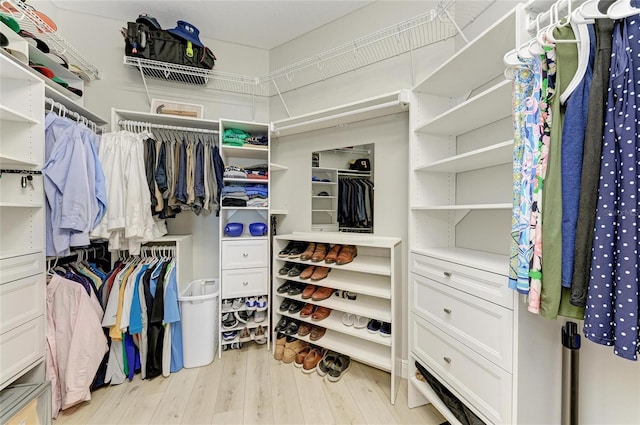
<point>342,189</point>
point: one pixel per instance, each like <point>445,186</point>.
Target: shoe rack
<point>374,277</point>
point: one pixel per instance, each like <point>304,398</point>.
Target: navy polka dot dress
<point>611,314</point>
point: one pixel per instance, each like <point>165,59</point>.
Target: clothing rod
<point>64,111</point>
<point>166,127</point>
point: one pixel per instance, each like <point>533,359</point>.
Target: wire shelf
<point>31,22</point>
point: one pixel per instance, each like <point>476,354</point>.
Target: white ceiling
<point>262,24</point>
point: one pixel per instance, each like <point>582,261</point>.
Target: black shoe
<point>282,289</point>
<point>295,288</point>
<point>282,324</point>
<point>286,304</point>
<point>296,270</point>
<point>229,321</point>
<point>296,306</point>
<point>285,269</point>
<point>298,249</point>
<point>285,252</point>
<point>292,328</point>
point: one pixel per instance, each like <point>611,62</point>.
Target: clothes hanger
<point>581,32</point>
<point>590,9</point>
<point>622,9</point>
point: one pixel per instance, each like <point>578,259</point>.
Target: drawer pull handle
<point>245,283</point>
<point>447,274</point>
<point>447,359</point>
<point>447,310</point>
<point>245,255</point>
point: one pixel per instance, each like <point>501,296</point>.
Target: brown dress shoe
<point>320,253</point>
<point>307,310</point>
<point>311,361</point>
<point>317,332</point>
<point>319,273</point>
<point>307,272</point>
<point>308,291</point>
<point>347,254</point>
<point>332,256</point>
<point>322,293</point>
<point>321,313</point>
<point>301,356</point>
<point>308,253</point>
<point>304,329</point>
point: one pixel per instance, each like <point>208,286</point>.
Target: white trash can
<point>199,313</point>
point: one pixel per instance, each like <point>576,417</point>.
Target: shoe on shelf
<point>284,306</point>
<point>292,350</point>
<point>260,337</point>
<point>296,270</point>
<point>326,363</point>
<point>348,319</point>
<point>307,310</point>
<point>307,272</point>
<point>332,256</point>
<point>304,352</point>
<point>308,252</point>
<point>229,320</point>
<point>260,316</point>
<point>281,325</point>
<point>227,305</point>
<point>374,326</point>
<point>285,269</point>
<point>243,316</point>
<point>322,293</point>
<point>261,303</point>
<point>321,313</point>
<point>279,350</point>
<point>296,306</point>
<point>292,328</point>
<point>360,322</point>
<point>385,329</point>
<point>282,289</point>
<point>339,368</point>
<point>229,336</point>
<point>320,273</point>
<point>297,249</point>
<point>295,289</point>
<point>308,291</point>
<point>250,303</point>
<point>347,254</point>
<point>317,332</point>
<point>320,252</point>
<point>285,252</point>
<point>245,335</point>
<point>311,361</point>
<point>304,329</point>
<point>345,294</point>
<point>237,303</point>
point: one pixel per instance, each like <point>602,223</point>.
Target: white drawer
<point>245,254</point>
<point>476,380</point>
<point>484,327</point>
<point>489,286</point>
<point>21,348</point>
<point>243,283</point>
<point>15,268</point>
<point>21,301</point>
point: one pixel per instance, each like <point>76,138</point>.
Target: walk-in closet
<point>319,212</point>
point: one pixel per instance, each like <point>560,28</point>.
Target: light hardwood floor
<point>248,386</point>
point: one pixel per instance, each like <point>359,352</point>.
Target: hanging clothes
<point>355,202</point>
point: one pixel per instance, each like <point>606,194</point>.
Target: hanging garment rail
<point>63,111</point>
<point>128,124</point>
<point>354,174</point>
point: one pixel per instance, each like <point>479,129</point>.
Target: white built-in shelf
<point>245,238</point>
<point>376,355</point>
<point>11,160</point>
<point>324,197</point>
<point>70,101</point>
<point>366,109</point>
<point>334,322</point>
<point>325,211</point>
<point>325,183</point>
<point>10,114</point>
<point>454,77</point>
<point>21,204</point>
<point>373,285</point>
<point>279,211</point>
<point>241,180</point>
<point>464,207</point>
<point>486,107</point>
<point>277,167</point>
<point>426,390</point>
<point>500,153</point>
<point>361,264</point>
<point>245,152</point>
<point>482,260</point>
<point>8,253</point>
<point>364,305</point>
<point>251,324</point>
<point>348,239</point>
<point>165,119</point>
<point>245,208</point>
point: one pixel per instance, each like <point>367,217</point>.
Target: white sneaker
<point>250,304</point>
<point>261,303</point>
<point>260,316</point>
<point>226,305</point>
<point>360,322</point>
<point>237,303</point>
<point>348,319</point>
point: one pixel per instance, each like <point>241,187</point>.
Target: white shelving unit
<point>22,219</point>
<point>244,259</point>
<point>324,209</point>
<point>375,276</point>
<point>466,327</point>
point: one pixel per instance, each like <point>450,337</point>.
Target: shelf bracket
<point>144,80</point>
<point>460,214</point>
<point>442,9</point>
<point>281,98</point>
